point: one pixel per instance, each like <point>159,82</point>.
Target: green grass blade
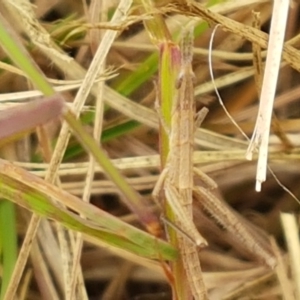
<point>18,54</point>
<point>75,150</point>
<point>8,242</point>
<point>131,82</point>
<point>133,199</point>
<point>35,194</point>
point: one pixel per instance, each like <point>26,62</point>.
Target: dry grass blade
<point>291,231</point>
<point>260,138</point>
<point>290,54</point>
<point>21,119</point>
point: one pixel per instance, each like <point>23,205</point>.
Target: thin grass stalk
<point>8,242</point>
<point>94,13</point>
<point>155,26</point>
<point>291,232</point>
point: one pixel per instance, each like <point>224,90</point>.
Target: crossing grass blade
<point>21,58</point>
<point>37,195</point>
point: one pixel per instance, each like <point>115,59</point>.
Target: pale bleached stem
<point>260,138</point>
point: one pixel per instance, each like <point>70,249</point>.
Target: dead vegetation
<point>108,70</point>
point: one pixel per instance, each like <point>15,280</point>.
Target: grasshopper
<point>177,182</point>
<point>177,177</point>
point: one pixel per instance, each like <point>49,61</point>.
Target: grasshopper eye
<point>193,77</point>
<point>187,69</point>
<point>179,80</point>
